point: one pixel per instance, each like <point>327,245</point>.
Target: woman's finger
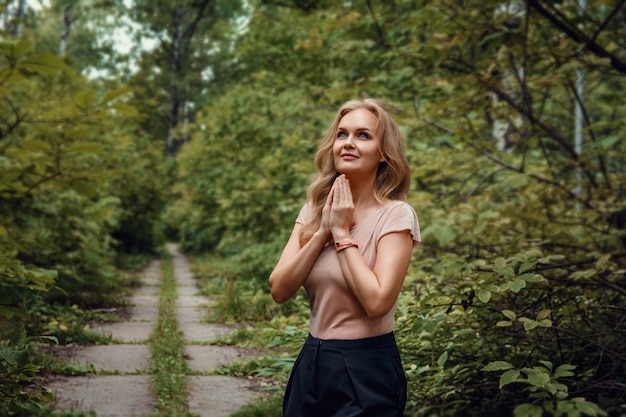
<point>348,192</point>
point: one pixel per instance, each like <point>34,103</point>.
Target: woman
<point>350,248</point>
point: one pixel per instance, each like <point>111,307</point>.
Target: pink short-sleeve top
<point>335,311</point>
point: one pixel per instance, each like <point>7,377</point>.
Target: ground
<point>125,389</point>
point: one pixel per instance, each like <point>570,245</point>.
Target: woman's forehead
<point>358,119</point>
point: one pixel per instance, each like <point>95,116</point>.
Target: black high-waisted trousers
<point>347,378</point>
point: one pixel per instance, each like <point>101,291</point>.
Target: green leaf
<point>125,109</point>
<point>509,376</point>
<point>14,49</point>
<point>34,145</point>
<point>547,364</point>
<point>51,338</point>
<point>497,366</point>
<point>528,410</point>
<point>85,99</point>
<point>517,285</point>
<point>527,265</point>
<point>111,95</point>
<point>443,234</point>
<point>545,323</point>
<point>531,277</point>
<point>441,361</point>
<point>529,324</point>
<point>584,274</point>
<point>533,253</point>
<point>484,295</point>
<point>538,379</point>
<point>505,271</point>
<point>608,142</point>
<point>543,314</point>
<point>45,63</point>
<point>589,408</point>
<point>603,261</point>
<point>10,312</point>
<point>509,314</point>
<point>564,370</point>
<point>85,187</point>
<point>83,148</point>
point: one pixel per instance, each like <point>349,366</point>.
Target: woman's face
<point>356,149</point>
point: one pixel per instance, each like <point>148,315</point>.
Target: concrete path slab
<point>144,300</point>
<point>191,301</point>
<point>193,315</point>
<point>144,313</point>
<point>187,291</point>
<point>204,332</point>
<point>122,358</point>
<point>108,395</point>
<point>127,332</point>
<point>208,358</point>
<point>145,290</point>
<point>218,396</point>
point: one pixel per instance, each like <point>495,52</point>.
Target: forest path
<point>121,387</point>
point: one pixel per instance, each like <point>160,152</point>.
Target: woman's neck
<point>363,193</point>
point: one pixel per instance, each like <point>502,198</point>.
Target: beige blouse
<point>335,311</point>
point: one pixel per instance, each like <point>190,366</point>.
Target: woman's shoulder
<point>401,215</point>
<point>303,214</point>
<point>398,206</point>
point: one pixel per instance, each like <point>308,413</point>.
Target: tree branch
<point>607,20</point>
<point>542,179</point>
<point>381,36</point>
<point>578,36</point>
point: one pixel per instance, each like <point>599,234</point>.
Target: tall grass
<point>169,369</point>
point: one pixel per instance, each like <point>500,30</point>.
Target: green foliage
<point>550,395</point>
<point>239,298</point>
<point>17,385</point>
<point>64,192</point>
<point>265,407</point>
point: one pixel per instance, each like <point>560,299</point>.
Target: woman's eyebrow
<point>357,129</point>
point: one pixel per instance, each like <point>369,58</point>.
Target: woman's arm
<point>294,264</point>
<point>377,290</point>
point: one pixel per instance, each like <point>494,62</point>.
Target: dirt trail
<point>125,392</point>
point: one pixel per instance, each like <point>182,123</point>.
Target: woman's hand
<point>341,207</point>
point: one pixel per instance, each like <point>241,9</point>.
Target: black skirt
<point>347,378</point>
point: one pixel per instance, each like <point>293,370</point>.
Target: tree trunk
<point>13,21</point>
<point>506,130</point>
<point>67,27</point>
<point>176,57</point>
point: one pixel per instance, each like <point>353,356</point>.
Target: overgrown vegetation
<point>63,155</point>
<point>168,366</point>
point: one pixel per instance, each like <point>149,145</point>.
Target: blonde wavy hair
<point>392,179</point>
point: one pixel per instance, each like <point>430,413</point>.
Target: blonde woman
<point>350,249</point>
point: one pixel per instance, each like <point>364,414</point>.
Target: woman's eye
<point>341,135</point>
<point>364,135</point>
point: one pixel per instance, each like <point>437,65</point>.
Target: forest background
<point>201,128</point>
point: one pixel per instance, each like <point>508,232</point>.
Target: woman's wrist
<point>321,235</point>
<point>340,234</point>
<point>346,243</point>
